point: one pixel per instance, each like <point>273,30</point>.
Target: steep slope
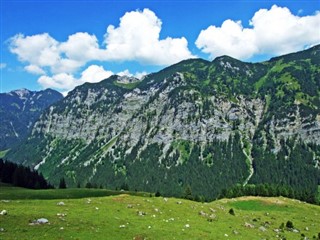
<point>19,109</point>
<point>197,124</point>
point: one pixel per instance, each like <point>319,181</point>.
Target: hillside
<point>201,125</point>
<point>137,217</point>
<point>19,110</point>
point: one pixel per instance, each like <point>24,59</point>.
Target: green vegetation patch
<point>3,153</point>
<point>15,193</point>
<point>260,205</point>
<point>134,217</point>
<point>184,148</point>
<point>127,85</point>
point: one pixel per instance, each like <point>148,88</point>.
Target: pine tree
<point>62,183</point>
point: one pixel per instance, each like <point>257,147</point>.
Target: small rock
<point>61,204</point>
<point>61,214</point>
<point>212,210</point>
<point>61,228</point>
<point>226,235</point>
<point>39,221</point>
<point>295,230</point>
<point>187,225</point>
<point>179,202</point>
<point>2,230</point>
<point>97,208</point>
<point>307,229</point>
<point>140,213</point>
<point>165,199</point>
<point>248,225</point>
<point>3,212</point>
<point>149,227</point>
<point>202,213</point>
<point>122,226</point>
<point>262,229</point>
<point>235,232</point>
<point>129,206</point>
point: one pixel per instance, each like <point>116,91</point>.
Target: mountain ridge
<point>207,125</point>
<point>19,109</point>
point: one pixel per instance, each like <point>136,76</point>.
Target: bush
<point>231,211</point>
<point>289,224</point>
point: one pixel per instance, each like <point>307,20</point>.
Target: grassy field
<point>126,216</point>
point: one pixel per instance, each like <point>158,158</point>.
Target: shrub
<point>289,224</point>
<point>231,211</point>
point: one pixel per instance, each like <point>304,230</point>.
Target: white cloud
<point>275,31</point>
<point>34,69</point>
<point>3,65</point>
<point>82,47</point>
<point>60,81</point>
<point>67,82</point>
<point>137,38</point>
<point>95,73</point>
<point>140,75</point>
<point>230,39</point>
<point>40,50</point>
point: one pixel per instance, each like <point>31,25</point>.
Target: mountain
<point>196,125</point>
<point>19,109</point>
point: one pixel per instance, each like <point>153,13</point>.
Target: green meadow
<point>103,214</point>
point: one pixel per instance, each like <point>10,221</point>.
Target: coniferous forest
<point>21,176</point>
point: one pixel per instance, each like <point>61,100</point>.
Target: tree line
<point>21,176</point>
<point>270,190</point>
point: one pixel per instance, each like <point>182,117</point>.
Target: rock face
<point>207,125</point>
<point>19,109</point>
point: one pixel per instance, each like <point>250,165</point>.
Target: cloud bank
<point>274,32</point>
<point>64,65</point>
<point>135,39</point>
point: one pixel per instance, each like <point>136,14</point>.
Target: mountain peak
<point>22,93</point>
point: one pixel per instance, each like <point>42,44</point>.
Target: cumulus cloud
<point>95,73</point>
<point>34,69</point>
<point>39,50</point>
<point>137,38</point>
<point>62,81</point>
<point>275,31</point>
<point>82,47</point>
<point>65,81</point>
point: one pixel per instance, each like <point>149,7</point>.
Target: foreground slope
<point>133,217</point>
<point>198,124</point>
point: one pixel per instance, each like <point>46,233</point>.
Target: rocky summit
<point>205,126</point>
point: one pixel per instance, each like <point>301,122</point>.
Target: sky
<point>61,44</point>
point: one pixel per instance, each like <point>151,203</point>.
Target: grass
<point>127,85</point>
<point>3,153</point>
<point>117,217</point>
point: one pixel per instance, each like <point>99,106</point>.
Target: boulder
<point>42,221</point>
<point>3,212</point>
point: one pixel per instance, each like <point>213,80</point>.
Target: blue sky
<point>62,43</point>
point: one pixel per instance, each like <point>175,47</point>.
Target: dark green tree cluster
<point>21,176</point>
